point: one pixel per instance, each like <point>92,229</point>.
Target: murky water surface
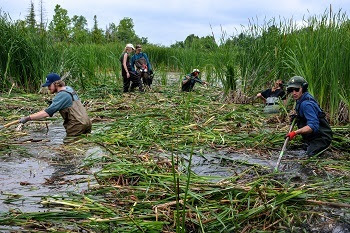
<point>42,169</point>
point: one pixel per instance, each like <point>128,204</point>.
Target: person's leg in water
<point>316,146</point>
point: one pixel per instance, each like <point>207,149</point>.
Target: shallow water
<point>43,170</point>
<point>223,164</point>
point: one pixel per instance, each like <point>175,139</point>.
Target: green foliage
<point>97,34</point>
<point>30,19</point>
<point>249,62</point>
<point>125,31</point>
<point>80,33</point>
<point>60,25</point>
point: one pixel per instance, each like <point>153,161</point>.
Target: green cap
<point>296,81</point>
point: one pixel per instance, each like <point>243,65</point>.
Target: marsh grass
<point>140,189</point>
<point>249,62</point>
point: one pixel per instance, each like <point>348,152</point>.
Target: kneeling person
<point>67,102</point>
<point>272,96</point>
<point>143,66</point>
<point>311,121</point>
<point>190,80</point>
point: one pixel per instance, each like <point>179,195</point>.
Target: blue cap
<point>50,78</point>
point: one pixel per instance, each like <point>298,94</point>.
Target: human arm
<point>125,58</point>
<point>186,79</point>
<point>304,130</point>
<point>132,62</point>
<point>35,116</point>
<point>310,112</point>
<point>148,63</point>
<point>263,95</point>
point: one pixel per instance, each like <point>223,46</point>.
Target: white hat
<point>195,70</point>
<point>130,46</point>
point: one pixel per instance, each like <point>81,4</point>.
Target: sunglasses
<point>291,89</point>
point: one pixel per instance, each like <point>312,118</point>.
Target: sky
<point>164,22</point>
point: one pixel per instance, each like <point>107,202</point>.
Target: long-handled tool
<point>284,145</point>
<point>9,124</point>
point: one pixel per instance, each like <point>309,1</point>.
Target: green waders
<point>76,120</point>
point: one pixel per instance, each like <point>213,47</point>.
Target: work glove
<point>291,135</point>
<point>24,120</point>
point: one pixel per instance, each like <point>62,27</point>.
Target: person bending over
<point>67,102</point>
<point>190,80</point>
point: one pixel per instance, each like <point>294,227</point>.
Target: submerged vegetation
<point>151,141</point>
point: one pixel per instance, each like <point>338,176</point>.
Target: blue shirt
<point>61,101</point>
<point>138,56</point>
<point>308,108</point>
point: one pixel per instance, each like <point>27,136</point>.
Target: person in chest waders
<point>310,119</point>
<point>129,75</point>
<point>67,102</point>
<point>272,96</point>
<point>190,80</point>
<point>143,66</point>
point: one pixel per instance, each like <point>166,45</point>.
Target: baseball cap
<point>296,81</point>
<point>50,78</point>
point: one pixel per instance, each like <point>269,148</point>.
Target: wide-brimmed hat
<point>50,78</point>
<point>130,46</point>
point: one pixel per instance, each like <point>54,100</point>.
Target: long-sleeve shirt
<point>137,56</point>
<point>308,108</point>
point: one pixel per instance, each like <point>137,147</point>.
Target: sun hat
<point>130,46</point>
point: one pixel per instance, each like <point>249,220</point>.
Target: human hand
<point>291,135</point>
<point>292,115</point>
<point>24,120</point>
<point>128,75</point>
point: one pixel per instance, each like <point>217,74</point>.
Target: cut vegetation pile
<point>145,184</point>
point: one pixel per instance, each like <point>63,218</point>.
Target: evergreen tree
<point>42,25</point>
<point>111,33</point>
<point>30,19</point>
<point>97,34</point>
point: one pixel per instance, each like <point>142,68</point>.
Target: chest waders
<point>76,120</point>
<point>272,105</point>
<point>142,70</point>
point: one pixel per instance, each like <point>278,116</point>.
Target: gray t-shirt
<point>61,101</point>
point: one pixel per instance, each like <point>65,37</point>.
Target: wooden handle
<point>11,123</point>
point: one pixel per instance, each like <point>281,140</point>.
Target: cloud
<point>165,22</point>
